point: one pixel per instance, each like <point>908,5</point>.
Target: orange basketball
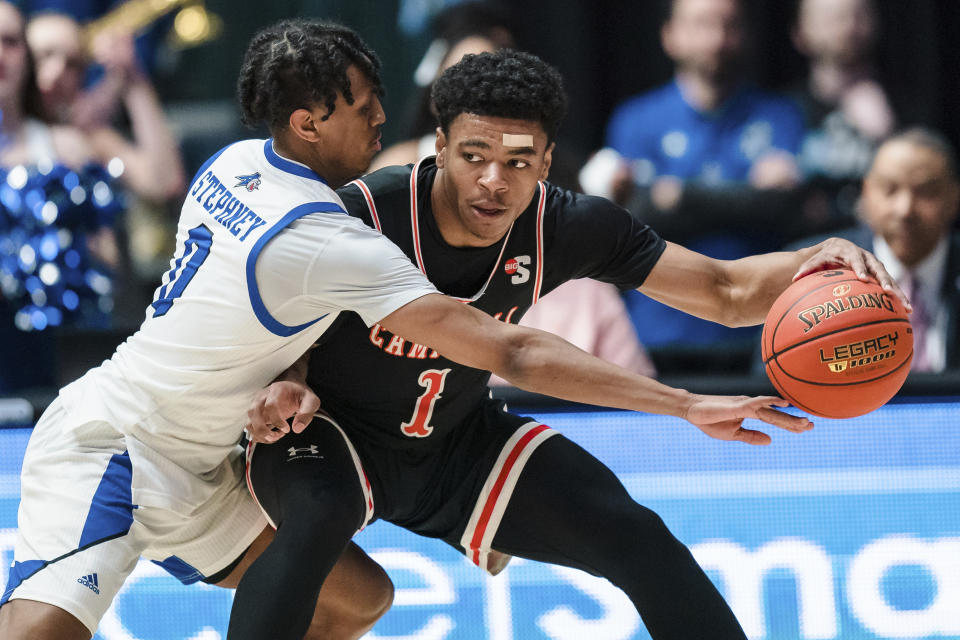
<point>835,346</point>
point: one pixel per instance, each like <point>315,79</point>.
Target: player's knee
<point>349,619</point>
<point>640,527</point>
<point>314,509</point>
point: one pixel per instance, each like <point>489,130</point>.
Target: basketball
<point>835,346</point>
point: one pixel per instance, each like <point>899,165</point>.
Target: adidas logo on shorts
<point>90,581</point>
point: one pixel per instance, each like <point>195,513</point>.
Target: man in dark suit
<point>909,202</point>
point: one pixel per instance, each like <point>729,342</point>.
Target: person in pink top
<point>591,315</point>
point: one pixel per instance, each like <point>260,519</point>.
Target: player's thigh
<point>213,539</point>
<point>32,620</point>
<point>569,508</point>
<point>77,539</point>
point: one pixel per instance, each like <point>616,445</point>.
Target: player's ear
<point>441,148</point>
<point>308,123</point>
<point>547,161</point>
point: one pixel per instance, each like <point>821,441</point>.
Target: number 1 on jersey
<point>197,246</point>
<point>432,380</point>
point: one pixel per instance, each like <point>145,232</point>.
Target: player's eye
<point>471,157</point>
<point>519,163</point>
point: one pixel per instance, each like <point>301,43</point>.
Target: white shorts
<point>80,535</point>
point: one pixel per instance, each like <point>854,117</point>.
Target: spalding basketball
<point>835,346</point>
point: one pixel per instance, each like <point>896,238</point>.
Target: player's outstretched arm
<point>543,363</point>
<point>740,292</point>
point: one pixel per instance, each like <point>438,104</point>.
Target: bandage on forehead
<point>517,140</point>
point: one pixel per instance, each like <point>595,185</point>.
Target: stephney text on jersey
<point>225,208</point>
<point>403,348</point>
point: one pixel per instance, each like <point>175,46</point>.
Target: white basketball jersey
<point>182,384</point>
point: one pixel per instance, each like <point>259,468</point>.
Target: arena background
<point>606,50</point>
<point>851,531</point>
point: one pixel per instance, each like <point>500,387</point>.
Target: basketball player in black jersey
<point>431,451</point>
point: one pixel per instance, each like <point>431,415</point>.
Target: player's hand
<point>274,405</point>
<point>722,417</point>
<point>837,252</point>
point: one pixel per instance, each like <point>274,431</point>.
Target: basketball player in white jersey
<point>140,456</point>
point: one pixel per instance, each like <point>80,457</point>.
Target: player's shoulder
<point>383,189</point>
<point>254,167</point>
<point>560,202</point>
<point>384,181</point>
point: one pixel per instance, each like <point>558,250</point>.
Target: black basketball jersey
<point>401,394</point>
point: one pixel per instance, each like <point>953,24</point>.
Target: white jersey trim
<point>371,205</point>
<point>497,490</point>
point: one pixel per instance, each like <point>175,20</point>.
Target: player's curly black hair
<point>502,84</point>
<point>298,64</point>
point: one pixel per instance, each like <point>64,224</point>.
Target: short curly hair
<point>502,84</point>
<point>298,64</point>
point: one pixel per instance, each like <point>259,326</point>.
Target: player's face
<point>58,57</point>
<point>910,198</point>
<point>350,137</point>
<point>489,169</point>
<point>13,54</point>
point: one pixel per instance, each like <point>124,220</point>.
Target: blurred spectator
<point>704,145</point>
<point>910,199</point>
<point>846,109</point>
<point>590,314</point>
<point>56,213</point>
<point>150,164</point>
<point>709,124</point>
<point>149,38</point>
<point>467,27</point>
<point>147,161</point>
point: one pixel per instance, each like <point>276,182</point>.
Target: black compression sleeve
<point>308,485</point>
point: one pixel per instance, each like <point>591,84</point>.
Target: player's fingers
<point>766,401</point>
<point>751,437</point>
<point>796,424</point>
<point>262,434</point>
<point>818,262</point>
<point>886,280</point>
<point>276,418</point>
<point>308,406</point>
<point>258,423</point>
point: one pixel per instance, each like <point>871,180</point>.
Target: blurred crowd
<point>91,174</point>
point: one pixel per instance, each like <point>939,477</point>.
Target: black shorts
<point>456,490</point>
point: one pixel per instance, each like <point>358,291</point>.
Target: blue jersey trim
<point>288,166</point>
<point>179,569</point>
<point>20,571</point>
<point>206,165</point>
<point>111,509</point>
<point>256,301</point>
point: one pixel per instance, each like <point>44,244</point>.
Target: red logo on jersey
<point>511,266</point>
